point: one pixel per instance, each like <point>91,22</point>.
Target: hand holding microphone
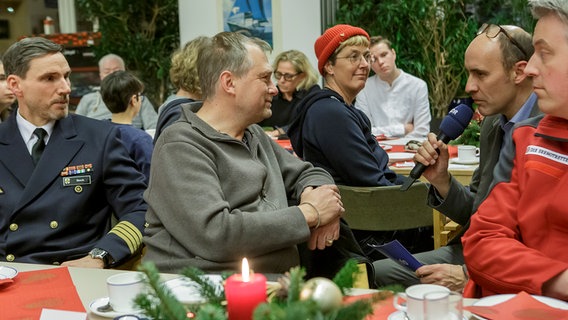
<point>452,126</point>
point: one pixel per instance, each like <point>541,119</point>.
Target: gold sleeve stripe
<point>129,233</point>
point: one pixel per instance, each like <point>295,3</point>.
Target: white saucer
<point>400,156</point>
<point>7,272</point>
<point>399,141</point>
<point>458,161</point>
<point>109,314</point>
<point>399,315</point>
<point>496,299</point>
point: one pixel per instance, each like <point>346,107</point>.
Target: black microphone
<point>452,126</point>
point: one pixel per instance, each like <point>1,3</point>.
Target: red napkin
<point>453,151</point>
<point>6,281</point>
<point>381,309</point>
<point>381,137</point>
<point>34,290</point>
<point>522,306</point>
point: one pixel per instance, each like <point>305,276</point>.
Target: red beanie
<point>330,40</point>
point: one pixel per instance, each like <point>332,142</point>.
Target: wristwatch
<point>98,253</point>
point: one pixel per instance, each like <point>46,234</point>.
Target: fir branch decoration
<point>297,275</point>
<point>161,304</point>
<point>345,278</point>
<point>207,289</point>
<point>169,307</point>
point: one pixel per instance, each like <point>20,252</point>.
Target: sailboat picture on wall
<point>252,17</point>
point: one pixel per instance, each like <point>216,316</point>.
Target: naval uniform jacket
<point>61,209</point>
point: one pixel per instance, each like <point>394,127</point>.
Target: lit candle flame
<point>246,270</point>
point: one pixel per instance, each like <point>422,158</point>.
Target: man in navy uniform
<point>62,176</point>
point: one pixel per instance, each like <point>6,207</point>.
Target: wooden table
<point>90,283</point>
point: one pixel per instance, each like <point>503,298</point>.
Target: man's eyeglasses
<point>493,30</point>
<point>287,76</point>
<point>355,57</point>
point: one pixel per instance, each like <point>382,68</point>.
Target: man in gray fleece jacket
<point>219,186</point>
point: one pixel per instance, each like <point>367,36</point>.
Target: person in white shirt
<point>395,101</point>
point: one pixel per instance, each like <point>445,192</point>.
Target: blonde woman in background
<point>295,76</point>
<point>183,75</point>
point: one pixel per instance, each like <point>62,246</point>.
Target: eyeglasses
<point>287,76</point>
<point>493,30</point>
<point>355,57</point>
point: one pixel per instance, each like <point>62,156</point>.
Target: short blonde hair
<point>183,71</point>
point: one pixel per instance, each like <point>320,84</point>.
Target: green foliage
<point>207,289</point>
<point>169,307</point>
<point>143,33</point>
<point>345,278</point>
<point>161,304</point>
<point>470,135</point>
<point>515,12</point>
<point>297,275</point>
<point>429,36</point>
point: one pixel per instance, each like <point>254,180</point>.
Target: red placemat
<point>522,307</point>
<point>33,290</point>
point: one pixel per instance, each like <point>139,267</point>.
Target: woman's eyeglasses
<point>493,30</point>
<point>287,76</point>
<point>355,57</point>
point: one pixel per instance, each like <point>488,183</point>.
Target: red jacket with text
<point>518,238</point>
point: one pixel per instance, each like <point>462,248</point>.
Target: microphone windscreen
<point>456,121</point>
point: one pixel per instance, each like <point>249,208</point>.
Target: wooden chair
<point>386,208</point>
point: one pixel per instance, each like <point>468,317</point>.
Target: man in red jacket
<point>518,238</point>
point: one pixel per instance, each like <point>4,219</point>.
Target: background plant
<point>143,33</point>
<point>431,36</point>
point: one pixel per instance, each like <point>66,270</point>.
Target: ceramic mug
<point>414,296</point>
<point>443,305</point>
<point>123,288</point>
<point>467,153</point>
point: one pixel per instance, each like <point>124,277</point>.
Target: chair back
<point>386,208</point>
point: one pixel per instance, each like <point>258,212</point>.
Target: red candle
<point>244,292</point>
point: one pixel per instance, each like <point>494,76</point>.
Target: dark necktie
<point>38,147</point>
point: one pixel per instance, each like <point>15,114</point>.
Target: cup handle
<point>477,152</point>
<point>398,306</point>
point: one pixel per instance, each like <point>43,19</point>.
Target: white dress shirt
<point>27,131</point>
<point>391,107</point>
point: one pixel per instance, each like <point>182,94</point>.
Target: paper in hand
<point>398,253</point>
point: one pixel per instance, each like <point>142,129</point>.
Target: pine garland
<point>284,303</point>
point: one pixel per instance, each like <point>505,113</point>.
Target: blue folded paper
<point>398,253</point>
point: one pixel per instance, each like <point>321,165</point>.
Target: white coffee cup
<point>467,153</point>
<point>414,296</point>
<point>443,305</point>
<point>123,288</point>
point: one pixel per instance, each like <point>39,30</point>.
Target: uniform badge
<point>76,181</point>
<point>78,169</point>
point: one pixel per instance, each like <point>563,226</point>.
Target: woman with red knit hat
<point>331,133</point>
